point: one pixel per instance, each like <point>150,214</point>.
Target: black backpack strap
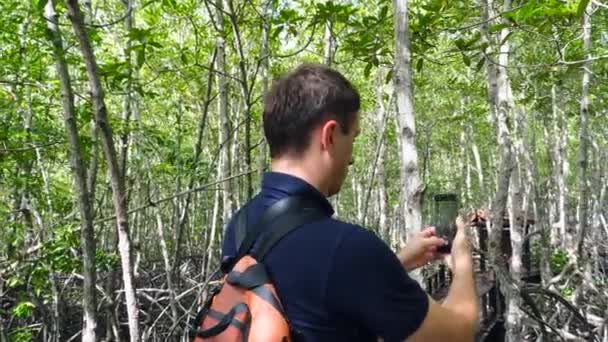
<point>274,211</point>
<point>284,225</point>
<point>240,230</point>
<point>241,226</point>
<point>279,219</point>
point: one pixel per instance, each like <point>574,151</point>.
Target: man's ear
<point>327,133</point>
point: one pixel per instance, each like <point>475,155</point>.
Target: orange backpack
<point>245,306</point>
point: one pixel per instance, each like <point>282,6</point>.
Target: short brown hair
<point>300,100</point>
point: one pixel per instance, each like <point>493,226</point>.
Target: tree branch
<point>152,203</point>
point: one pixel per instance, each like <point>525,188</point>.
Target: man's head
<point>311,116</point>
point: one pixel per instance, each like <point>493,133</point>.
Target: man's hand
<point>420,249</point>
<point>461,249</point>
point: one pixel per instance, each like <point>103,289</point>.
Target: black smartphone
<point>444,219</point>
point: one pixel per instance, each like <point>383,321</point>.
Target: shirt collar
<point>278,185</point>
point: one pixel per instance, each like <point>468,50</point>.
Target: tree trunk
<point>128,100</point>
<point>87,237</point>
<point>358,197</point>
<point>266,53</point>
<point>583,153</point>
<point>167,262</point>
<point>246,96</point>
<point>116,178</point>
<point>464,160</point>
<point>403,82</point>
<point>92,172</point>
<point>380,126</point>
<point>578,237</point>
<point>211,236</point>
<point>500,107</point>
<point>559,142</point>
<point>543,224</point>
<point>501,103</point>
<point>225,139</point>
<point>329,44</point>
<point>478,168</point>
<point>25,201</point>
<point>517,222</point>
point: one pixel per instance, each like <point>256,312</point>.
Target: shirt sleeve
<point>368,284</point>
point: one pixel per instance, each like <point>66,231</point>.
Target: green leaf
<point>504,40</point>
<point>155,44</point>
<point>419,65</point>
<point>40,4</point>
<point>368,69</point>
<point>383,12</point>
<point>466,59</point>
<point>582,5</point>
<point>13,282</point>
<point>389,76</point>
<point>480,64</point>
<point>473,40</point>
<point>459,43</point>
<point>139,34</point>
<point>140,57</point>
<point>498,27</point>
<point>23,309</point>
<point>168,3</point>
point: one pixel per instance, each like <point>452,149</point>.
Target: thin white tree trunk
<point>235,167</point>
<point>583,154</point>
<point>516,226</point>
<point>500,107</point>
<point>168,268</point>
<point>116,178</point>
<point>211,236</point>
<point>578,244</point>
<point>329,47</point>
<point>335,203</point>
<point>411,186</point>
<point>359,198</point>
<point>543,224</point>
<point>380,126</point>
<point>128,103</point>
<point>247,101</point>
<point>478,168</point>
<point>225,139</point>
<point>559,145</point>
<point>501,104</point>
<point>463,162</point>
<point>87,239</point>
<point>266,53</point>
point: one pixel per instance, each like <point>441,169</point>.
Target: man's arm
<point>368,285</point>
<point>457,317</point>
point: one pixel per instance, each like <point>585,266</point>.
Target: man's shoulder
<point>355,238</point>
<point>337,227</point>
<point>345,226</point>
<point>356,230</point>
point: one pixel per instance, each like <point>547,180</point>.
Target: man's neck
<point>298,168</point>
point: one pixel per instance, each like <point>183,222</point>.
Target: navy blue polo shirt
<point>337,281</point>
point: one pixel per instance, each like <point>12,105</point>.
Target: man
<point>338,281</point>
